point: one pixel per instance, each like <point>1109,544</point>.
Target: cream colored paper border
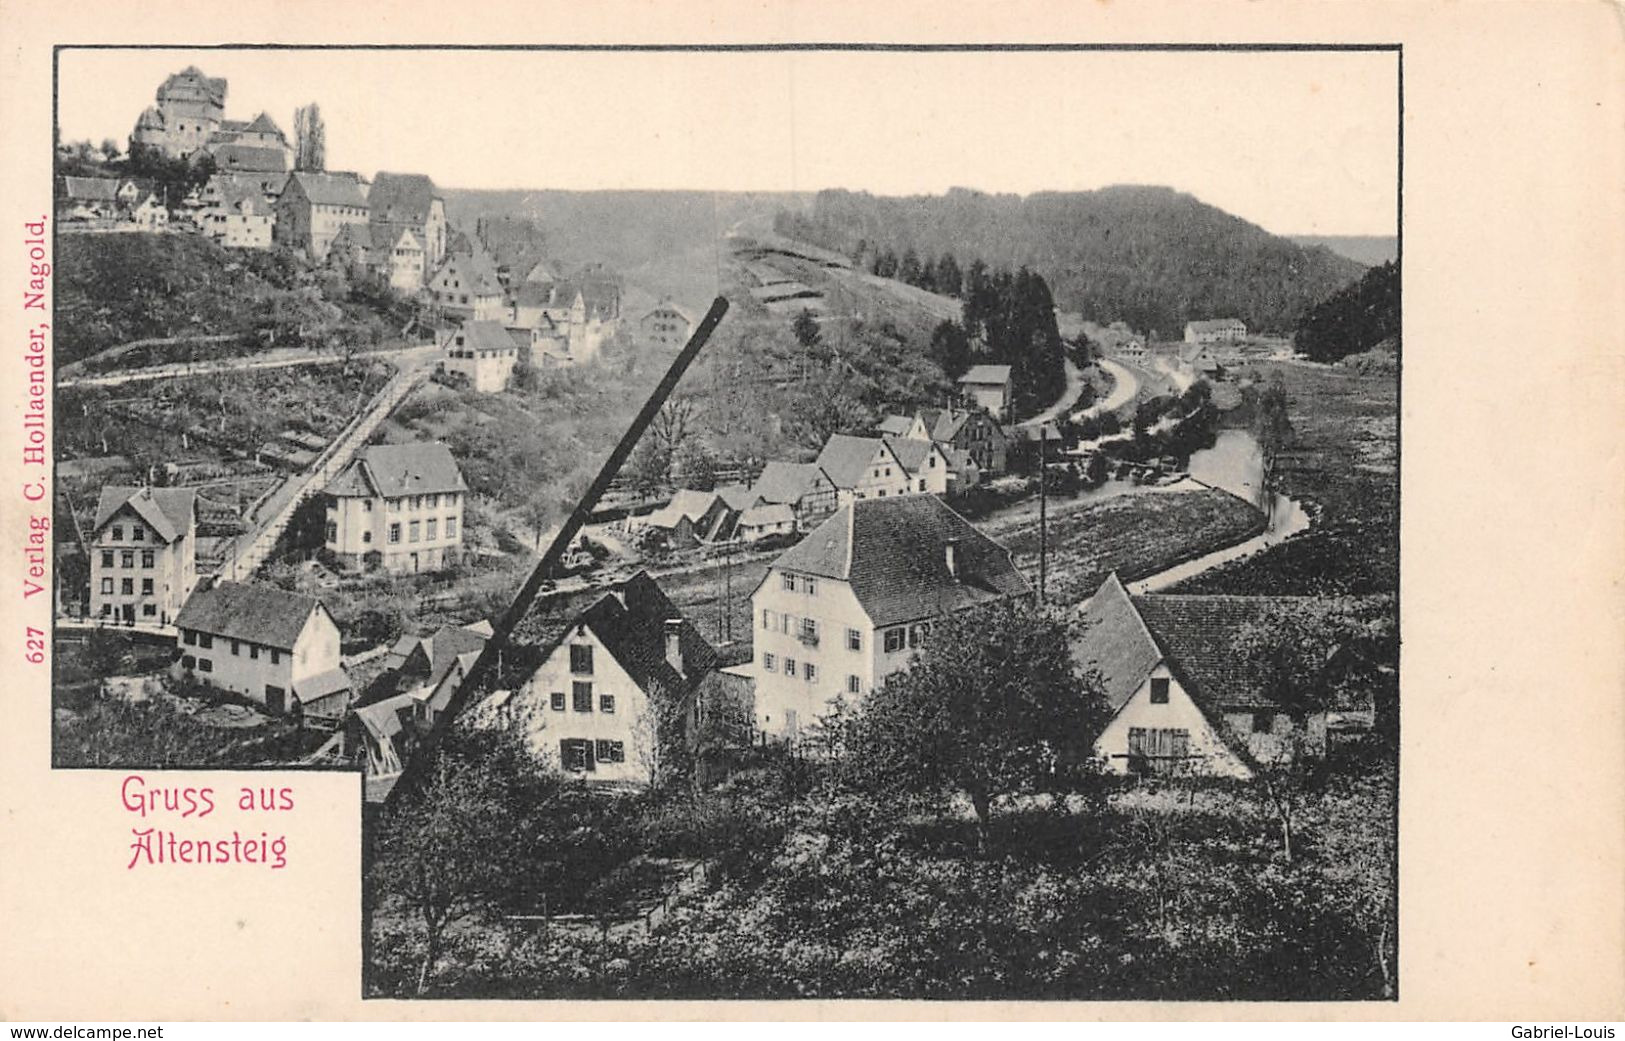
<point>1513,789</point>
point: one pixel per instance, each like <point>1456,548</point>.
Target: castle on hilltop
<point>190,118</point>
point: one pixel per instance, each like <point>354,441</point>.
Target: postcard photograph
<point>765,522</point>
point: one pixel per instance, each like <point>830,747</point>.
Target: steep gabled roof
<point>239,611</point>
<point>1115,642</point>
<point>1199,634</point>
<point>395,471</point>
<point>987,374</point>
<point>474,270</point>
<point>402,198</point>
<point>485,335</point>
<point>264,124</point>
<point>894,554</point>
<point>785,482</point>
<point>328,189</point>
<point>944,424</point>
<point>738,497</point>
<point>912,452</point>
<point>846,457</point>
<point>352,237</point>
<point>895,426</point>
<point>168,511</point>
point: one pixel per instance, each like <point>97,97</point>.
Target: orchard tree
<point>806,328</point>
<point>991,707</point>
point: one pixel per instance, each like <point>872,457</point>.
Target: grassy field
<point>1343,465</point>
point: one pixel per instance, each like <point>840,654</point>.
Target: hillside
<point>1150,256</point>
<point>1369,250</point>
<point>1356,318</point>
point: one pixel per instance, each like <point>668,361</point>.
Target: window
<point>276,656</point>
<point>558,701</point>
<point>581,695</point>
<point>809,632</point>
<point>205,665</point>
<point>606,704</point>
<point>611,752</point>
<point>205,640</point>
<point>118,533</point>
<point>138,533</point>
<point>581,658</point>
<point>789,666</point>
<point>107,587</point>
<point>810,671</point>
<point>854,640</point>
<point>236,647</point>
<point>412,531</point>
<point>1159,743</point>
<point>1263,722</point>
<point>147,558</point>
<point>254,651</point>
<point>188,662</point>
<point>853,685</point>
<point>149,610</point>
<point>366,505</point>
<point>127,558</point>
<point>767,619</point>
<point>431,529</point>
<point>146,587</point>
<point>810,586</point>
<point>332,532</point>
<point>107,558</point>
<point>127,586</point>
<point>1159,690</point>
<point>916,635</point>
<point>189,638</point>
<point>894,639</point>
<point>451,527</point>
<point>770,662</point>
<point>922,484</point>
<point>576,754</point>
<point>366,538</point>
<point>394,532</point>
<point>790,583</point>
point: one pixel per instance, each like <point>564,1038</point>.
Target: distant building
<point>149,212</point>
<point>1216,330</point>
<point>804,487</point>
<point>971,431</point>
<point>256,145</point>
<point>850,603</point>
<point>237,213</point>
<point>402,502</point>
<point>924,461</point>
<point>692,517</point>
<point>89,198</point>
<point>411,202</point>
<point>1196,359</point>
<point>612,683</point>
<point>278,648</point>
<point>314,207</point>
<point>863,468</point>
<point>667,325</point>
<point>760,522</point>
<point>484,353</point>
<point>397,256</point>
<point>190,107</point>
<point>1181,700</point>
<point>466,286</point>
<point>143,553</point>
<point>989,387</point>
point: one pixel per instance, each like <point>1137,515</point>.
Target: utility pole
<point>1043,510</point>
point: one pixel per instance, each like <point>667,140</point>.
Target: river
<point>1234,464</point>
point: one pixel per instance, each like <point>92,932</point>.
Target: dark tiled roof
<point>262,614</point>
<point>1199,635</point>
<point>944,424</point>
<point>385,237</point>
<point>785,482</point>
<point>474,270</point>
<point>168,510</point>
<point>486,335</point>
<point>234,156</point>
<point>328,189</point>
<point>1115,643</point>
<point>893,553</point>
<point>987,374</point>
<point>895,426</point>
<point>393,471</point>
<point>264,124</point>
<point>402,198</point>
<point>912,452</point>
<point>354,237</point>
<point>91,189</point>
<point>845,458</point>
<point>738,497</point>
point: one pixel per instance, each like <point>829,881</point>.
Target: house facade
<point>143,553</point>
<point>274,647</point>
<point>864,468</point>
<point>1182,702</point>
<point>988,387</point>
<point>484,353</point>
<point>465,286</point>
<point>971,431</point>
<point>804,487</point>
<point>401,502</point>
<point>667,325</point>
<point>397,257</point>
<point>313,207</point>
<point>852,602</point>
<point>411,202</point>
<point>1215,330</point>
<point>608,679</point>
<point>924,461</point>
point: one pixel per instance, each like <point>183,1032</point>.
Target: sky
<point>1301,143</point>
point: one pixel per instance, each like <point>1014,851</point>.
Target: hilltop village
<point>911,534</point>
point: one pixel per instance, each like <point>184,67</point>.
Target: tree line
<point>1356,318</point>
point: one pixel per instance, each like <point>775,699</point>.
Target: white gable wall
<point>1213,757</point>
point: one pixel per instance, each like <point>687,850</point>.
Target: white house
<point>666,325</point>
<point>466,285</point>
<point>590,707</point>
<point>924,461</point>
<point>236,212</point>
<point>485,353</point>
<point>863,468</point>
<point>760,522</point>
<point>1181,699</point>
<point>1215,330</point>
<point>278,648</point>
<point>401,502</point>
<point>804,487</point>
<point>989,387</point>
<point>143,553</point>
<point>850,603</point>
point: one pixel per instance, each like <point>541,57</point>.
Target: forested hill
<point>1152,257</point>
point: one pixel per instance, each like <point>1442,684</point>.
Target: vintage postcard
<point>774,520</point>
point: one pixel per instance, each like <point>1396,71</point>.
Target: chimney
<point>950,551</point>
<point>674,645</point>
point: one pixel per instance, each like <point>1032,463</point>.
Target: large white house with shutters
<point>143,553</point>
<point>278,648</point>
<point>403,503</point>
<point>850,604</point>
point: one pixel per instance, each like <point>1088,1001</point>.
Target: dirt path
<point>1069,397</point>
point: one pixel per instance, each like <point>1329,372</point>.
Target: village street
<point>1074,387</point>
<point>1125,385</point>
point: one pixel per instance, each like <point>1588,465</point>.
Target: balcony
<point>807,639</point>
